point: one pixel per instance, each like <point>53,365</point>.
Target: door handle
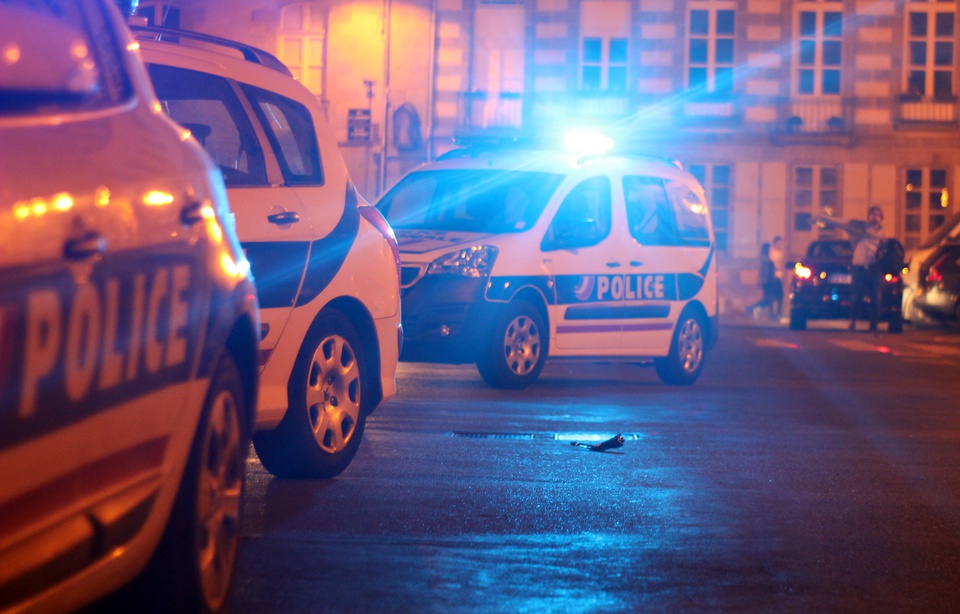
<point>86,246</point>
<point>636,263</point>
<point>191,214</point>
<point>613,265</point>
<point>282,219</point>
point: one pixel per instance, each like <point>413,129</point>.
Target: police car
<point>326,263</point>
<point>128,330</point>
<point>512,256</point>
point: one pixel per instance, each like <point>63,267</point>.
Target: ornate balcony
<point>915,111</point>
<point>804,119</point>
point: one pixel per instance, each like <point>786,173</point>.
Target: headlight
<point>476,261</point>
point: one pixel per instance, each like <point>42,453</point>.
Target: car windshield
<point>494,201</point>
<point>830,249</point>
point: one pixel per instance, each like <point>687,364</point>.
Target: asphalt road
<point>805,472</point>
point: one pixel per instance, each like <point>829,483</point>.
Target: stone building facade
<point>785,109</point>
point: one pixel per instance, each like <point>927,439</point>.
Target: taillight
<point>376,219</point>
<point>934,276</point>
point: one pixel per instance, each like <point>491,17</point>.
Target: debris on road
<point>614,442</point>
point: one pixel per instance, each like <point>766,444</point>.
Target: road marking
<point>924,352</point>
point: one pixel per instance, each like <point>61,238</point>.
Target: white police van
<point>325,261</point>
<point>511,256</point>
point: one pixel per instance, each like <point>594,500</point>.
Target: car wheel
<point>798,320</point>
<point>321,431</point>
<point>515,352</point>
<point>683,364</point>
<point>192,569</point>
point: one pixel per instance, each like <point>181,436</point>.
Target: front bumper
<point>445,319</point>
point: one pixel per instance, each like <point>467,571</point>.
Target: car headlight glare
<point>474,261</point>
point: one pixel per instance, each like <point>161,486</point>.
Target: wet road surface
<point>813,471</point>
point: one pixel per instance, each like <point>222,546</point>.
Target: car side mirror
<point>44,59</point>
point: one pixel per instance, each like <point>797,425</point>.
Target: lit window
<point>926,204</point>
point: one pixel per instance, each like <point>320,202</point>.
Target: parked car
<point>513,256</point>
<point>938,293</point>
<point>948,231</point>
<point>129,331</point>
<point>326,263</point>
<point>821,286</point>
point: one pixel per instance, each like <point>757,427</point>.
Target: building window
<point>717,182</point>
<point>815,190</point>
<point>819,28</point>
<point>604,49</point>
<point>926,204</point>
<point>604,64</point>
<point>301,43</point>
<point>710,34</point>
<point>930,31</point>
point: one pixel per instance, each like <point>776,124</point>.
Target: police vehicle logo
<point>584,290</point>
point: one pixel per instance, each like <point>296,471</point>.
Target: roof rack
<point>249,53</point>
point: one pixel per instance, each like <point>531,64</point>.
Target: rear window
<point>64,57</point>
<point>490,201</point>
<point>830,249</point>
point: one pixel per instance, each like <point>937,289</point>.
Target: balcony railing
<point>816,117</point>
<point>925,110</point>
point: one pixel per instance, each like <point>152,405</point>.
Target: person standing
<point>768,284</point>
<point>866,237</point>
<point>779,259</point>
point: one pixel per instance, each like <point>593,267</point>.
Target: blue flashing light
<point>587,142</point>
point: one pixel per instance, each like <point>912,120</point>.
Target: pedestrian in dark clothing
<point>866,238</point>
<point>769,285</point>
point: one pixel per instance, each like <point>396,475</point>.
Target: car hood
<point>415,241</point>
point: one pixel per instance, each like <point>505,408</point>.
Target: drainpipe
<point>382,179</point>
<point>432,81</point>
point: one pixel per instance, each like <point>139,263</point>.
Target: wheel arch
<point>696,308</point>
<point>363,324</point>
<point>535,297</point>
<point>243,347</point>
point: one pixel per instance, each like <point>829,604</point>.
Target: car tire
<point>798,320</point>
<point>321,431</point>
<point>193,567</point>
<point>514,353</point>
<point>895,324</point>
<point>682,366</point>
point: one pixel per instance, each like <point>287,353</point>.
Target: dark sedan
<point>938,290</point>
<point>822,284</point>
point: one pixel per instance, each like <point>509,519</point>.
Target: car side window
<point>207,106</point>
<point>691,214</point>
<point>649,213</point>
<point>290,129</point>
<point>584,216</point>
